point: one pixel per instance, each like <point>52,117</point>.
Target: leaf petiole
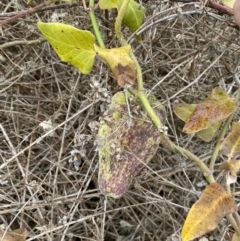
<point>95,24</point>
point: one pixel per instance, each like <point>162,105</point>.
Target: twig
<point>26,12</point>
<point>199,76</point>
<point>210,4</point>
<point>20,42</point>
<point>54,7</point>
<point>172,17</point>
<point>104,217</point>
<point>38,140</point>
<point>220,8</point>
<point>13,150</point>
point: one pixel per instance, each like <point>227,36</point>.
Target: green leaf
<point>108,4</point>
<point>184,110</point>
<point>72,45</point>
<point>133,16</point>
<point>208,134</point>
<point>68,1</point>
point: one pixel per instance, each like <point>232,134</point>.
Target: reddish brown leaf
<point>184,111</point>
<point>216,108</point>
<point>204,216</point>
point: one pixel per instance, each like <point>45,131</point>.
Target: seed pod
<point>124,149</point>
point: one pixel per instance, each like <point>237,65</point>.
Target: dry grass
<point>49,182</point>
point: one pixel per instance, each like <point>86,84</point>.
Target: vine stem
<point>118,22</point>
<point>143,98</point>
<point>233,223</point>
<point>205,170</point>
<point>95,25</point>
<point>236,218</point>
<point>140,94</point>
<point>155,119</point>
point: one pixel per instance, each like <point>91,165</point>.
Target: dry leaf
<point>124,74</point>
<point>204,216</point>
<point>236,237</point>
<point>231,145</point>
<point>233,166</point>
<point>120,62</point>
<point>19,234</point>
<point>215,109</point>
<point>184,111</point>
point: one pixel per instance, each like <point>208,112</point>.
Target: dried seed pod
<point>123,149</point>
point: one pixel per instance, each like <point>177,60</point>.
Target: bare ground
<point>49,182</point>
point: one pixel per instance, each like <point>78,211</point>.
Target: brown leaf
<point>19,234</point>
<point>236,237</point>
<point>231,145</point>
<point>204,216</point>
<point>124,74</point>
<point>231,165</point>
<point>215,109</point>
<point>120,62</point>
<point>184,111</point>
<point>6,237</point>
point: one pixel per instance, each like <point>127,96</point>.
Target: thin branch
<point>26,12</point>
<point>20,42</point>
<point>38,140</point>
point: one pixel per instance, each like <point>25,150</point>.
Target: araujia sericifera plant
<point>128,142</point>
